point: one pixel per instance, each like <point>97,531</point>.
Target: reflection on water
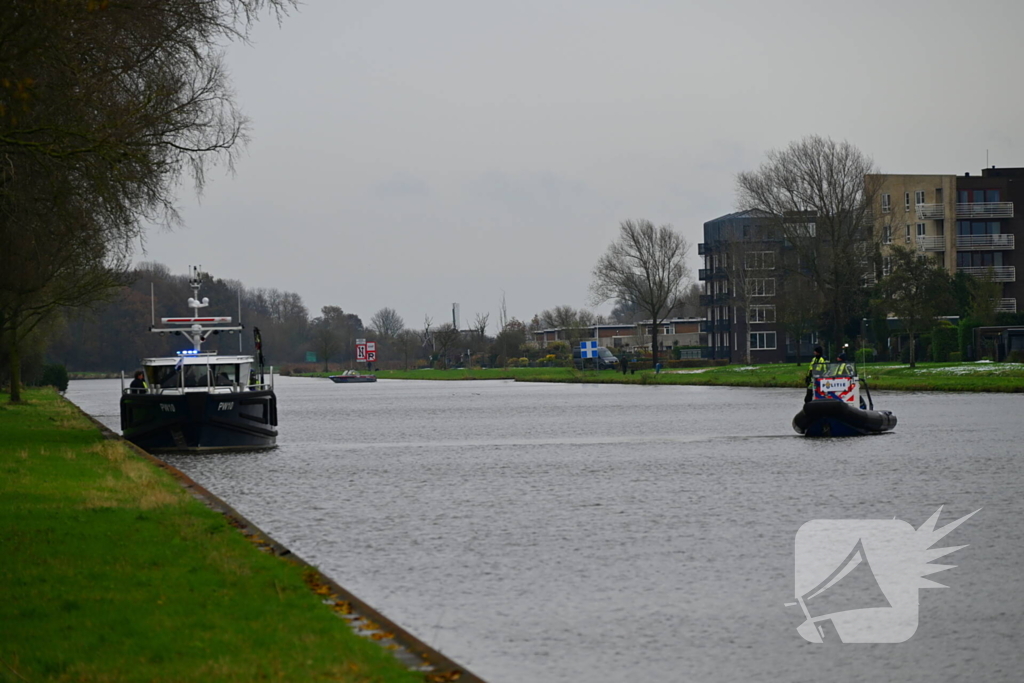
<point>543,532</point>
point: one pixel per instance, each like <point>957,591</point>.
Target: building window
<point>760,260</point>
<point>979,259</point>
<point>908,233</point>
<point>802,229</point>
<point>761,286</point>
<point>906,200</point>
<point>920,230</point>
<point>886,265</point>
<point>761,314</point>
<point>762,341</point>
<point>887,234</point>
<point>886,203</point>
<point>918,197</point>
<point>977,227</point>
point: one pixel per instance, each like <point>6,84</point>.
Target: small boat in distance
<point>352,377</point>
<point>199,401</point>
<point>837,409</point>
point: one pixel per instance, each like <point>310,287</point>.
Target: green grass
<point>989,377</point>
<point>110,571</point>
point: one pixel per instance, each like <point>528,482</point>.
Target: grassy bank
<point>987,377</point>
<point>112,572</point>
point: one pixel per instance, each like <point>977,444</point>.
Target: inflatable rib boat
<point>837,409</point>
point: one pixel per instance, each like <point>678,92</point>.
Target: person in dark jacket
<point>138,385</point>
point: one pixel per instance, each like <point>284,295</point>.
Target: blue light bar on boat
<point>188,352</point>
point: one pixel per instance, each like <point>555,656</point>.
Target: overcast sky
<point>413,154</point>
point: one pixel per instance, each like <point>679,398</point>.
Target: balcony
<point>969,210</point>
<point>997,273</point>
<point>985,210</point>
<point>931,243</point>
<point>984,242</point>
<point>934,212</point>
<point>723,325</point>
<point>705,300</point>
<point>707,326</point>
<point>1006,306</point>
<point>722,298</point>
<point>700,249</point>
<point>702,273</point>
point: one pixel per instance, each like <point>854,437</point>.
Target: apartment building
<point>965,223</point>
<point>741,279</point>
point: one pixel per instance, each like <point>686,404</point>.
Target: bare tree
<point>407,343</point>
<point>817,193</point>
<point>796,306</point>
<point>103,106</point>
<point>446,337</point>
<point>689,305</point>
<point>573,324</point>
<point>387,323</point>
<point>647,267</point>
<point>480,326</point>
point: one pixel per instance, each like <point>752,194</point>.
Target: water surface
<point>563,533</point>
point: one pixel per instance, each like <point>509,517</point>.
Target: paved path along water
<point>550,533</point>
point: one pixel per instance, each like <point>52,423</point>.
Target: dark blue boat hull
<point>836,418</point>
<point>200,421</point>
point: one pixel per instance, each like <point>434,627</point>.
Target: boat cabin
<point>203,372</point>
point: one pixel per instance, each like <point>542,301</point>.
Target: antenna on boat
<point>152,306</point>
<point>240,317</point>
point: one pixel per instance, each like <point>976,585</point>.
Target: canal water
<point>564,533</point>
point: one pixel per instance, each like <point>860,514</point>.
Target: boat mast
<point>196,331</point>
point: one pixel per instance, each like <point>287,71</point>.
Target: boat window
<point>196,375</point>
<point>834,370</point>
<point>165,376</point>
<point>225,375</point>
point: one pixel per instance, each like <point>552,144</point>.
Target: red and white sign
<point>371,352</point>
<point>360,350</point>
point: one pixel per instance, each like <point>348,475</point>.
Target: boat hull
<point>200,421</point>
<point>353,379</point>
<point>837,418</point>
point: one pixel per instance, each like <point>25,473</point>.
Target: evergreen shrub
<point>55,375</point>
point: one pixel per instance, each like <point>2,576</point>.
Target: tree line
<point>104,107</point>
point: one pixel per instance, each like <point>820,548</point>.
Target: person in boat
<point>138,385</point>
<point>818,365</point>
<point>843,369</point>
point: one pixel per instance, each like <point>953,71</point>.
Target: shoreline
<point>979,377</point>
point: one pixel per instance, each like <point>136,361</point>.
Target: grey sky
<point>413,154</point>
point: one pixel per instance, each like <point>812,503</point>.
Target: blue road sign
<point>588,349</point>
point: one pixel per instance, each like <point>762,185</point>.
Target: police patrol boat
<point>836,407</point>
<point>198,400</point>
